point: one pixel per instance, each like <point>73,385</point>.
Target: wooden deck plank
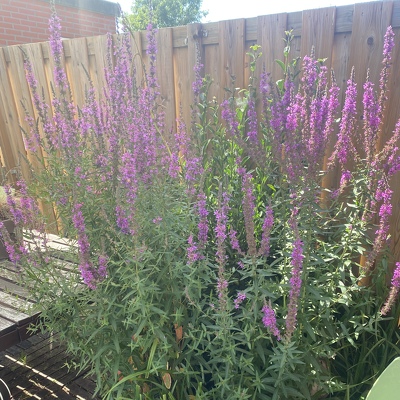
<point>16,310</point>
<point>37,368</point>
<point>13,315</point>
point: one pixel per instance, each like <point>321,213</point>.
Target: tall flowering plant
<point>212,263</point>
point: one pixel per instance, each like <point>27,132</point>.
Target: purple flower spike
<point>394,291</point>
<point>295,287</point>
<point>269,321</point>
<point>241,296</point>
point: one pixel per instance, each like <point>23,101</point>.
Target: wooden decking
<point>13,298</point>
<point>14,323</point>
<point>34,366</point>
<point>37,369</point>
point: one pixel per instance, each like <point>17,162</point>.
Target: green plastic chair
<point>387,386</point>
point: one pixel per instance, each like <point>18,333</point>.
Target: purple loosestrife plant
<point>176,241</point>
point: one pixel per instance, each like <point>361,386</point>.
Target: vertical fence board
<point>211,67</point>
<point>77,65</point>
<point>97,61</point>
<point>34,53</point>
<point>318,31</point>
<point>166,76</point>
<point>270,35</point>
<point>137,53</point>
<point>232,51</point>
<point>185,60</point>
<point>22,97</point>
<point>194,56</point>
<point>9,125</point>
<point>182,93</point>
<point>370,21</point>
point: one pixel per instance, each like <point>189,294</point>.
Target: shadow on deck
<point>37,368</point>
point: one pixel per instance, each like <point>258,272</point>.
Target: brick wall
<point>26,21</point>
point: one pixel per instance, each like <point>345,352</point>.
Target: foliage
<point>214,264</point>
<point>164,13</point>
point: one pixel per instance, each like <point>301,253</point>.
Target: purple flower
<point>222,285</point>
<point>203,223</point>
<point>221,215</point>
<point>266,232</point>
<point>383,194</point>
<point>16,211</point>
<point>269,321</point>
<point>345,179</point>
<point>229,115</point>
<point>192,251</point>
<point>388,45</point>
<point>248,212</point>
<point>241,296</point>
<point>122,220</point>
<point>344,146</point>
<point>394,290</point>
<point>252,133</point>
<point>295,286</point>
<point>198,81</point>
<point>235,241</point>
<point>56,47</point>
<point>157,220</point>
<point>85,266</point>
<point>265,90</point>
<point>102,268</point>
<point>152,53</point>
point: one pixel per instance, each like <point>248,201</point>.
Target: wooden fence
<point>346,36</point>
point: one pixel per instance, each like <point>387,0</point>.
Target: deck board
<point>37,368</point>
<point>16,310</point>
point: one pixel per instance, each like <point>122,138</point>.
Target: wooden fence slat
<point>137,54</point>
<point>232,51</point>
<point>370,21</point>
<point>318,31</point>
<point>9,125</point>
<point>185,59</point>
<point>76,64</point>
<point>21,94</point>
<point>270,35</point>
<point>97,62</point>
<point>165,74</point>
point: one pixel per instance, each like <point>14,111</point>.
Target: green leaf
<point>281,64</point>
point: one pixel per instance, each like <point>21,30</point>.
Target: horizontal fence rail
<point>346,36</point>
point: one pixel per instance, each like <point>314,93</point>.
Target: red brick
<point>21,23</point>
